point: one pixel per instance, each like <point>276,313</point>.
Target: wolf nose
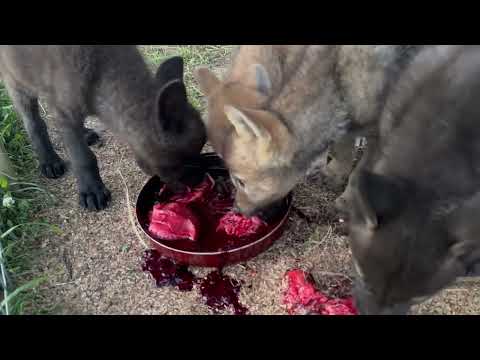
<point>246,212</point>
<point>239,210</point>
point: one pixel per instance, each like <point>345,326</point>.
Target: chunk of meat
<point>301,297</point>
<point>173,221</point>
<point>234,224</point>
<point>178,219</point>
<point>197,194</point>
<point>339,307</point>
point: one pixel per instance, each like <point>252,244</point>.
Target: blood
<point>202,213</point>
<point>218,291</point>
<point>166,272</point>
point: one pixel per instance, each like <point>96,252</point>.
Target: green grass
<point>213,56</point>
<point>20,198</point>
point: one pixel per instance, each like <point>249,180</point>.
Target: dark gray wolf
<point>149,112</point>
<point>413,205</point>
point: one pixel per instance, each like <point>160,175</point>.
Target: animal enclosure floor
<point>94,265</point>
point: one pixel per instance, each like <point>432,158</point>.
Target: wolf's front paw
<point>53,168</point>
<point>94,196</point>
<point>91,137</point>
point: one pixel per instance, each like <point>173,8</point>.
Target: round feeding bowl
<point>213,165</point>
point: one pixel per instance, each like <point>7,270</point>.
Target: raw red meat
<point>173,221</point>
<point>301,297</point>
<point>179,219</point>
<point>339,307</point>
<point>301,294</point>
<point>234,224</point>
<point>199,193</point>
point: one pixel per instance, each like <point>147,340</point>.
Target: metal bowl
<point>212,164</point>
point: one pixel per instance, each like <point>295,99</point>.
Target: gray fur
<point>150,113</point>
<point>420,185</point>
<point>351,83</point>
<point>322,97</point>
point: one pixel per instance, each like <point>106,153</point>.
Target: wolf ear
<point>171,104</point>
<point>170,69</point>
<point>244,126</point>
<point>206,80</point>
<point>375,198</point>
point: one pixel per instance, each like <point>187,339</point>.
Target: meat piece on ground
<point>302,297</point>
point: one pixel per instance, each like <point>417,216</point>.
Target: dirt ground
<point>94,264</point>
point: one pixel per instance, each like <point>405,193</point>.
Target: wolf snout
<point>245,210</point>
<point>265,212</point>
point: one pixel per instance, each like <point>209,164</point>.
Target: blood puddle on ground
<point>218,291</point>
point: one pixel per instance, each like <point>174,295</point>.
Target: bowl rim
<point>289,199</point>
